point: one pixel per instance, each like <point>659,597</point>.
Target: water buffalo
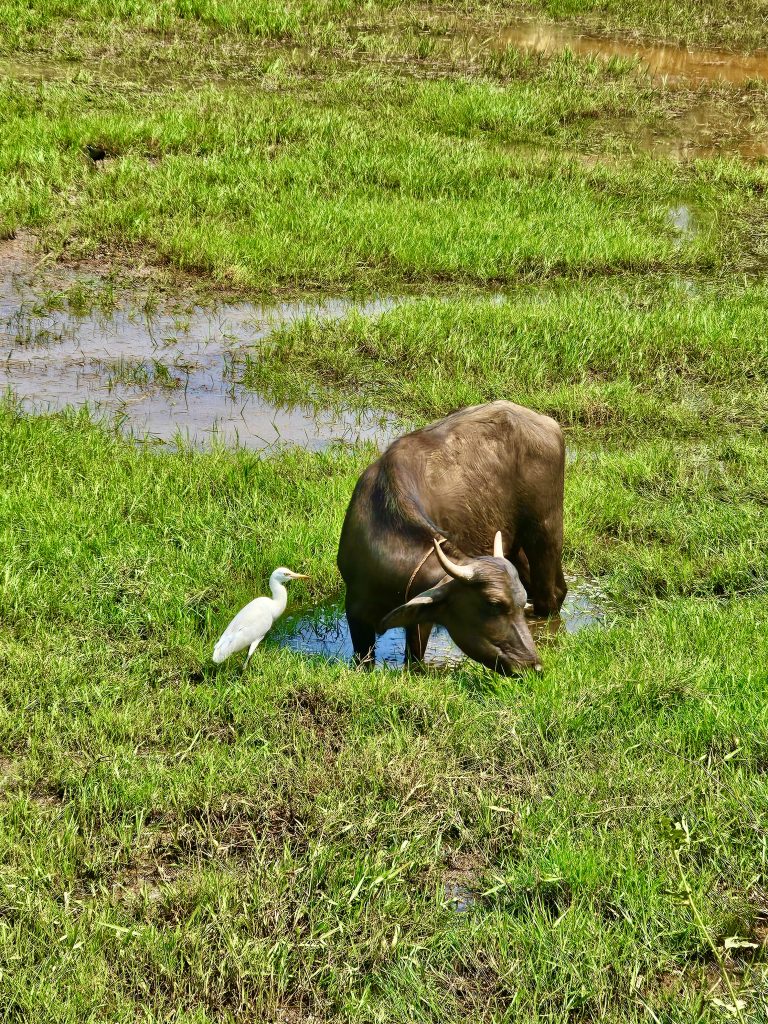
<point>428,525</point>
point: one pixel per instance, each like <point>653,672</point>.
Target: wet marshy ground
<point>705,130</point>
<point>162,373</point>
<point>665,61</point>
<point>322,631</point>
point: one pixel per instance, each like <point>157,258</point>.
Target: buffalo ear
<point>422,608</point>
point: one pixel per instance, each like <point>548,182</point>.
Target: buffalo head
<point>481,606</point>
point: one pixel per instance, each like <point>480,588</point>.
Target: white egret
<point>252,623</point>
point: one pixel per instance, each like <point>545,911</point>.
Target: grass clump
<point>290,20</point>
<point>640,355</point>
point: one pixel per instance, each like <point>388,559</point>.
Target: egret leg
<point>251,649</point>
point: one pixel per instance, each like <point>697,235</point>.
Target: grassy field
<point>325,170</point>
<point>740,23</point>
<point>183,843</point>
<point>363,181</point>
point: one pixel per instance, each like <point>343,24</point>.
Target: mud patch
<point>322,631</point>
<point>9,772</point>
<point>460,881</point>
<point>324,719</point>
<point>147,875</point>
<point>162,374</point>
<point>46,798</point>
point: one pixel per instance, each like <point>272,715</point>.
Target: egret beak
<point>299,576</point>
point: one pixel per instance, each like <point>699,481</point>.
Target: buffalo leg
<point>416,639</point>
<point>547,590</point>
<point>363,642</point>
<point>520,561</point>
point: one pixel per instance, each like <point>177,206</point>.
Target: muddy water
<point>459,897</point>
<point>323,631</point>
<point>665,61</point>
<point>168,374</point>
<point>705,131</point>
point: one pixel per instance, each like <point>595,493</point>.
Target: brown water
<point>705,131</point>
<point>662,61</point>
<point>166,375</point>
<point>323,631</point>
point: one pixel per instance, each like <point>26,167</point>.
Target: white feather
<point>250,624</point>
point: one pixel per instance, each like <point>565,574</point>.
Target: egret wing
<point>251,623</point>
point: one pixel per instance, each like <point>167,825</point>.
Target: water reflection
<point>167,373</point>
<point>705,131</point>
<point>710,129</point>
<point>459,897</point>
<point>323,631</point>
<point>661,61</point>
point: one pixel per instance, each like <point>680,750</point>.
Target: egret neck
<point>279,593</point>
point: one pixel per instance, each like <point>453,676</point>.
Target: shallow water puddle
<point>323,631</point>
<point>167,374</point>
<point>706,131</point>
<point>662,61</point>
<point>683,222</point>
<point>459,897</point>
<point>681,219</point>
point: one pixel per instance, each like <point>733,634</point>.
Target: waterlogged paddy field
<point>250,224</point>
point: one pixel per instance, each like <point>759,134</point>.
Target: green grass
<point>380,181</point>
<point>361,178</point>
<point>712,22</point>
<point>188,843</point>
<point>680,356</point>
<point>181,842</point>
<point>263,18</point>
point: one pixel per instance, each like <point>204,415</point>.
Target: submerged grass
<point>736,24</point>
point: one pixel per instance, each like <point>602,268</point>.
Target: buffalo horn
<point>498,546</point>
<point>459,572</point>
